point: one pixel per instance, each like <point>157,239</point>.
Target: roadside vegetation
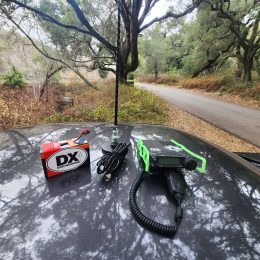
<point>19,107</point>
<point>91,105</point>
<point>223,84</point>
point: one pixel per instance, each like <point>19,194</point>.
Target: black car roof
<point>82,217</point>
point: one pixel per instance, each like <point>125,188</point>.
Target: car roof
<point>79,216</point>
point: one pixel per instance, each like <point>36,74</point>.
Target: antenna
<point>117,60</point>
<point>107,147</point>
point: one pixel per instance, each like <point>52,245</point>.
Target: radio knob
<point>190,164</point>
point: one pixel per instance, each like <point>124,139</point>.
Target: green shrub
<point>102,114</point>
<point>13,78</point>
<point>174,74</point>
<point>136,105</point>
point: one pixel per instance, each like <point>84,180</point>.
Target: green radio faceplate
<point>157,154</point>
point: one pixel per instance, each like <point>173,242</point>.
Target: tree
<point>243,17</point>
<point>50,70</point>
<point>208,42</point>
<point>56,56</point>
<point>95,20</point>
<point>154,50</point>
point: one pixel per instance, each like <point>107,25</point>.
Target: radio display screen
<point>169,160</point>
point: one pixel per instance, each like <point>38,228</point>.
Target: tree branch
<point>44,53</point>
<point>212,62</point>
<point>145,11</point>
<point>85,22</point>
<point>49,18</point>
<point>172,15</point>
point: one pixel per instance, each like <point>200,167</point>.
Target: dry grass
<point>252,92</point>
<point>162,79</point>
<point>166,79</point>
<point>206,83</point>
<point>148,78</point>
<point>20,108</point>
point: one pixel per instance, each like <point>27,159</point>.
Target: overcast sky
<point>158,10</point>
<point>163,5</point>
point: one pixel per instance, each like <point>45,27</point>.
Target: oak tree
<point>93,22</point>
<point>243,17</point>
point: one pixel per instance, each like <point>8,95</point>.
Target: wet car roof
<point>82,217</point>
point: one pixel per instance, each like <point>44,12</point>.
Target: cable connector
<point>115,135</point>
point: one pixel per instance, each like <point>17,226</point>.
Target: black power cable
<point>110,161</point>
<point>150,224</point>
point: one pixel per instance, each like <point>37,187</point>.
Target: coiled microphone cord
<point>150,224</point>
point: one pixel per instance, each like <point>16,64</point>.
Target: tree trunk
<point>122,73</point>
<point>50,73</point>
<point>155,71</point>
<point>123,77</point>
<point>43,88</point>
<point>247,70</point>
<point>45,85</point>
<point>129,53</point>
<point>238,72</point>
<point>257,61</point>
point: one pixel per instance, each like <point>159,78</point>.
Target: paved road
<point>241,121</point>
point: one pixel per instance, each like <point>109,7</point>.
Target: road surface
<point>238,120</point>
